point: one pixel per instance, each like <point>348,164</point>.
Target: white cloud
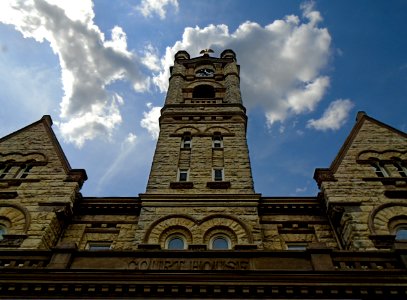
<point>89,62</point>
<point>306,98</point>
<point>333,117</point>
<point>310,12</point>
<point>301,190</point>
<point>130,139</point>
<point>150,7</point>
<point>118,42</point>
<point>282,62</point>
<point>99,121</point>
<point>150,120</point>
<point>150,58</point>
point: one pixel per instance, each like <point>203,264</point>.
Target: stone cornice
<point>204,197</point>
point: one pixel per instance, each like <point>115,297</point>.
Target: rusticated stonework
<point>343,243</point>
<point>202,107</point>
<point>359,190</point>
<point>44,183</point>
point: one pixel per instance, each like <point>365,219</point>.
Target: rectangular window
<point>4,170</point>
<point>183,175</point>
<point>186,142</point>
<point>99,246</point>
<point>296,246</point>
<point>380,170</point>
<point>401,168</point>
<point>218,174</point>
<point>217,141</point>
<point>24,171</point>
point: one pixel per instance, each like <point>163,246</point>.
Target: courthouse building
<point>200,230</point>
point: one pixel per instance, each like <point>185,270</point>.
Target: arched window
<point>401,233</point>
<point>220,242</point>
<point>176,242</point>
<point>203,91</point>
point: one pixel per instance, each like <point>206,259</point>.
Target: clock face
<point>205,73</point>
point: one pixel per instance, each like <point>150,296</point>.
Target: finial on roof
<point>360,115</point>
<point>206,52</point>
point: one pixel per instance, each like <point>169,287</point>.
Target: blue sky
<point>100,69</point>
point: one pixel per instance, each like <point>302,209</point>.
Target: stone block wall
<point>355,191</point>
<point>201,158</point>
<point>281,230</point>
<point>198,221</point>
<point>116,230</point>
<point>45,194</point>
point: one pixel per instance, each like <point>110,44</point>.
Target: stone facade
<point>36,203</point>
<point>362,201</point>
<point>200,106</point>
<point>200,230</point>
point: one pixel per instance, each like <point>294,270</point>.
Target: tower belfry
<point>202,145</point>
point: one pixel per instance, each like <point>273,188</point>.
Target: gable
<point>369,137</point>
<point>370,134</point>
<point>36,142</point>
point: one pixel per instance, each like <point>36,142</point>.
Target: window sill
<point>218,184</point>
<point>149,247</point>
<point>245,247</point>
<point>102,230</point>
<point>383,241</point>
<point>181,185</point>
<point>12,240</point>
<point>197,247</point>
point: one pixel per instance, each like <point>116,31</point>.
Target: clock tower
<point>202,144</point>
<point>200,189</point>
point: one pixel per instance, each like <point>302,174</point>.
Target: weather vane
<point>206,51</point>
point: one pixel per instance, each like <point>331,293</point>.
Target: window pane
<point>3,230</point>
<point>176,243</point>
<point>401,234</point>
<point>5,169</point>
<point>296,246</point>
<point>24,171</point>
<point>186,142</point>
<point>401,169</point>
<point>218,175</point>
<point>99,246</point>
<point>220,243</point>
<point>217,141</point>
<point>183,176</point>
<point>379,170</point>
